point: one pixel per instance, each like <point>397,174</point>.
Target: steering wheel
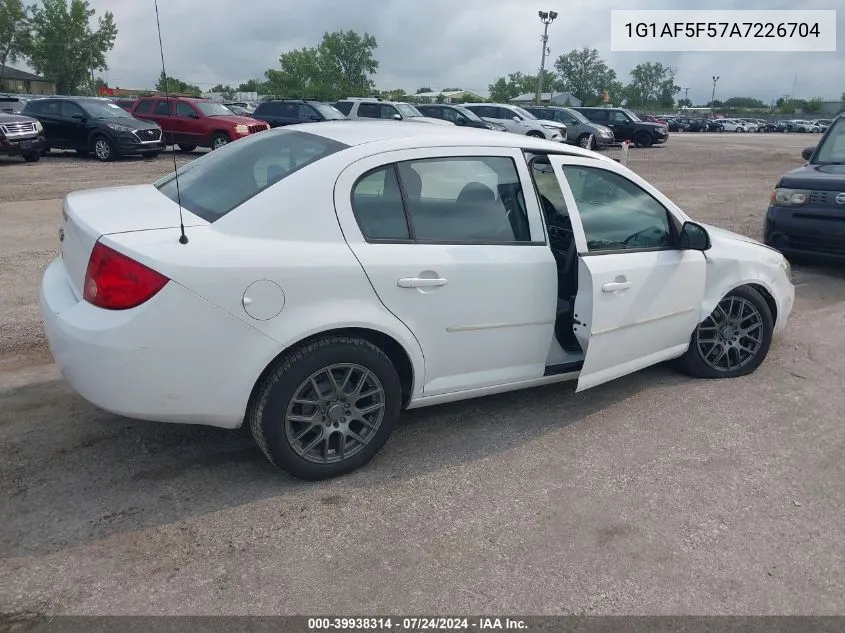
<point>656,231</point>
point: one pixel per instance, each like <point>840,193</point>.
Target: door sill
<point>564,368</point>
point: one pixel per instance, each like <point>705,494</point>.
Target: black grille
<point>257,128</point>
<point>826,199</point>
<point>817,244</point>
<point>149,135</point>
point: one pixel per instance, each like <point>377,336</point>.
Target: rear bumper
<point>177,358</point>
<point>816,233</point>
<point>18,145</point>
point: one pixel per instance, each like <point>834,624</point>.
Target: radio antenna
<point>183,239</point>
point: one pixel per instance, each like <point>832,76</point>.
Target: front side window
<point>184,109</point>
<point>162,108</point>
<point>220,181</point>
<point>620,118</point>
<point>209,108</point>
<point>145,107</point>
<point>407,110</point>
<point>70,109</point>
<point>617,214</point>
<point>369,110</point>
<point>344,107</point>
<point>388,112</point>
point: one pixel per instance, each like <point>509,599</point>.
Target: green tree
<point>227,92</point>
<point>584,74</point>
<point>65,49</point>
<point>253,85</point>
<point>684,103</point>
<point>744,102</point>
<point>652,85</point>
<point>15,33</point>
<point>506,88</point>
<point>428,89</point>
<point>299,75</point>
<point>814,105</point>
<point>172,85</point>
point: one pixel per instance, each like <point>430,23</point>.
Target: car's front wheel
<point>103,148</point>
<point>643,139</point>
<point>326,409</point>
<point>587,141</point>
<point>32,157</point>
<point>219,140</point>
<point>734,340</point>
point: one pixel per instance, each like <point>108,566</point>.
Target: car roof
<point>355,133</point>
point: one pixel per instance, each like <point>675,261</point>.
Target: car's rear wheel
<point>186,148</point>
<point>32,157</point>
<point>643,139</point>
<point>587,141</point>
<point>219,140</point>
<point>326,409</point>
<point>734,340</point>
<point>103,148</point>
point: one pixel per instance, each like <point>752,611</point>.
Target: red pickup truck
<point>191,123</point>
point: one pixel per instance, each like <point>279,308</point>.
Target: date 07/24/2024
<point>722,29</point>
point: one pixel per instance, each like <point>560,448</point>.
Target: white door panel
<point>635,306</point>
<point>643,306</point>
<point>482,313</point>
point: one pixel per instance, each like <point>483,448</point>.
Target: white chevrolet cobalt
<point>336,274</point>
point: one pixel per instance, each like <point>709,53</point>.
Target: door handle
<point>421,282</point>
<point>613,286</point>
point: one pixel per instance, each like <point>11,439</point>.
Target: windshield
<point>832,147</point>
<point>407,110</point>
<point>220,181</point>
<point>329,112</point>
<point>209,108</point>
<point>633,116</point>
<point>105,110</point>
<point>469,114</point>
<point>525,114</point>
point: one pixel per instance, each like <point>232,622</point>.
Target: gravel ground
<point>654,494</point>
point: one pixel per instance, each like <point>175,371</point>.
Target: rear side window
<point>162,107</point>
<point>344,106</point>
<point>377,202</point>
<point>222,180</point>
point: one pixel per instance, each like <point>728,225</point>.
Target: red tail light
<point>114,281</point>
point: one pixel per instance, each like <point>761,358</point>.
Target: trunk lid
<point>88,215</point>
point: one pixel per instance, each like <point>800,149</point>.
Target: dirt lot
<point>655,494</point>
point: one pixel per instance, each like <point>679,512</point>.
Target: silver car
<point>519,121</point>
<point>579,129</point>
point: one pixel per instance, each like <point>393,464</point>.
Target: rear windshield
<point>220,181</point>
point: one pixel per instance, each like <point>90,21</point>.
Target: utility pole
<point>686,94</point>
<point>546,17</point>
<point>713,96</point>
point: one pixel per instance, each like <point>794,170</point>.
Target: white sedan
<point>331,275</point>
<point>729,125</point>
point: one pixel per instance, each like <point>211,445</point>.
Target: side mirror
<point>694,237</point>
<point>517,119</point>
<point>807,152</point>
<point>460,121</point>
<point>79,117</point>
<point>313,117</point>
<point>397,117</point>
<point>193,115</point>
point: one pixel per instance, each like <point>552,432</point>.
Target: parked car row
<point>678,123</point>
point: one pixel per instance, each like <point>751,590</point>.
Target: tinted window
<point>68,109</point>
<point>369,110</point>
<point>465,200</point>
<point>389,111</point>
<point>505,113</point>
<point>484,111</point>
<point>162,107</point>
<point>145,107</point>
<point>329,113</point>
<point>306,112</point>
<point>598,116</point>
<point>184,109</point>
<point>377,202</point>
<point>619,117</point>
<point>220,181</point>
<point>267,109</point>
<point>344,106</point>
<point>616,213</point>
<point>34,107</point>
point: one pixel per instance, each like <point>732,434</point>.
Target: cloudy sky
<point>442,43</point>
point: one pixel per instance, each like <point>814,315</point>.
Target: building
<point>452,96</point>
<point>547,98</point>
<point>832,108</point>
<point>22,82</point>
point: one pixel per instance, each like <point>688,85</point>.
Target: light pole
<point>713,96</point>
<point>686,97</point>
<point>546,17</point>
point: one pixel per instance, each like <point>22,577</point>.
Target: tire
<point>643,139</point>
<point>288,388</point>
<point>219,140</point>
<point>45,151</point>
<point>535,134</point>
<point>186,148</point>
<point>696,361</point>
<point>103,148</point>
<point>587,141</point>
<point>31,157</point>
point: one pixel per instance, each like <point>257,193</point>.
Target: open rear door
<point>639,294</point>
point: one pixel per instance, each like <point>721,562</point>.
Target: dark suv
<point>807,207</point>
<point>94,125</point>
<point>279,112</point>
<point>21,136</point>
<point>627,126</point>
